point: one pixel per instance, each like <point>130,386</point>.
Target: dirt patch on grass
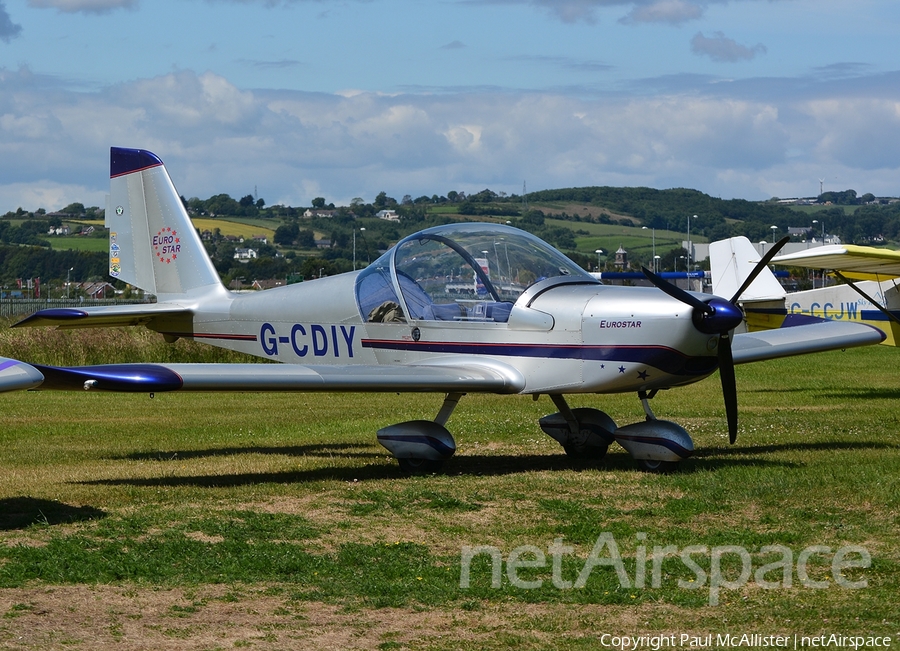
<point>209,617</point>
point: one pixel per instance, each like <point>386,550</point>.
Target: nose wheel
<point>583,433</point>
<point>420,466</point>
<point>657,467</point>
<point>657,446</point>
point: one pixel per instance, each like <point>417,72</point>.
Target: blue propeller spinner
<point>718,316</point>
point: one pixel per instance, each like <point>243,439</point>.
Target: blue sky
<point>344,99</point>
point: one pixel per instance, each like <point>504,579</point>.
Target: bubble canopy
<point>459,272</point>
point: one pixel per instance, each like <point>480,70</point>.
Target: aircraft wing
<point>103,317</point>
<point>858,262</point>
<point>814,337</point>
<point>459,376</point>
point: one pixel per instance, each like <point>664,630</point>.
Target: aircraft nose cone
<point>725,316</point>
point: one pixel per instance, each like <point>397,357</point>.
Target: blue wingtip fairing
<point>125,161</point>
<point>54,314</point>
<point>140,378</point>
<point>18,376</point>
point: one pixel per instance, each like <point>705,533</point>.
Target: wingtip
<point>18,376</point>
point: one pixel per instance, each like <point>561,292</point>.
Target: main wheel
<point>657,467</point>
<point>420,466</point>
<point>586,452</point>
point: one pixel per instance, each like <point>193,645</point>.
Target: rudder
<point>152,243</point>
<point>730,263</point>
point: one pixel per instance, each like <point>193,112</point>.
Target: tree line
<point>868,222</point>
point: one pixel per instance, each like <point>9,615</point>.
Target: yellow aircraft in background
<point>870,295</point>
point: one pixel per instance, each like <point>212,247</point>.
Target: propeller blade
<point>676,292</point>
<point>771,253</point>
<point>729,385</point>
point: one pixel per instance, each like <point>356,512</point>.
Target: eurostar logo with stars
<point>166,245</point>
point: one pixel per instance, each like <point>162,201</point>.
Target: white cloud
<point>84,6</point>
<point>217,138</point>
<point>641,11</point>
<point>862,133</point>
<point>722,49</point>
<point>48,194</point>
<point>673,12</point>
<point>8,29</point>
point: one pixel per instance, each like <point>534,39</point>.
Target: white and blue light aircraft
<point>456,309</point>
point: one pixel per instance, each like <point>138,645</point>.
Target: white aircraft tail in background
<point>731,262</point>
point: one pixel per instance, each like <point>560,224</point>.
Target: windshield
<point>460,272</point>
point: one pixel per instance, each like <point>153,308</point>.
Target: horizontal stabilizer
<point>149,378</point>
<point>803,339</point>
<point>18,376</point>
<point>103,317</point>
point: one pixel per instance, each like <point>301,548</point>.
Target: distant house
<point>389,215</point>
<point>323,244</point>
<point>244,254</point>
<point>62,230</point>
<point>318,212</point>
<point>62,215</point>
<point>96,289</point>
<point>262,239</point>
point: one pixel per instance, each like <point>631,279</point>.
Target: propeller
<point>718,316</point>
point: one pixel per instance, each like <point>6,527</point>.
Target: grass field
<point>78,243</point>
<point>275,521</point>
<point>245,228</point>
<point>635,240</point>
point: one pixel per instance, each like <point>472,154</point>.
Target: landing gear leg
<point>450,402</point>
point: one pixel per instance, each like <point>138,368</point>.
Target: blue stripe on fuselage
<point>665,359</point>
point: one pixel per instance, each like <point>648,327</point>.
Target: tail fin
<point>152,243</point>
<point>731,261</point>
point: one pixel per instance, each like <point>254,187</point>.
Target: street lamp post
<point>599,252</point>
<point>68,275</point>
<point>816,221</point>
<point>774,228</point>
<point>354,246</point>
<point>688,265</point>
<point>653,236</point>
